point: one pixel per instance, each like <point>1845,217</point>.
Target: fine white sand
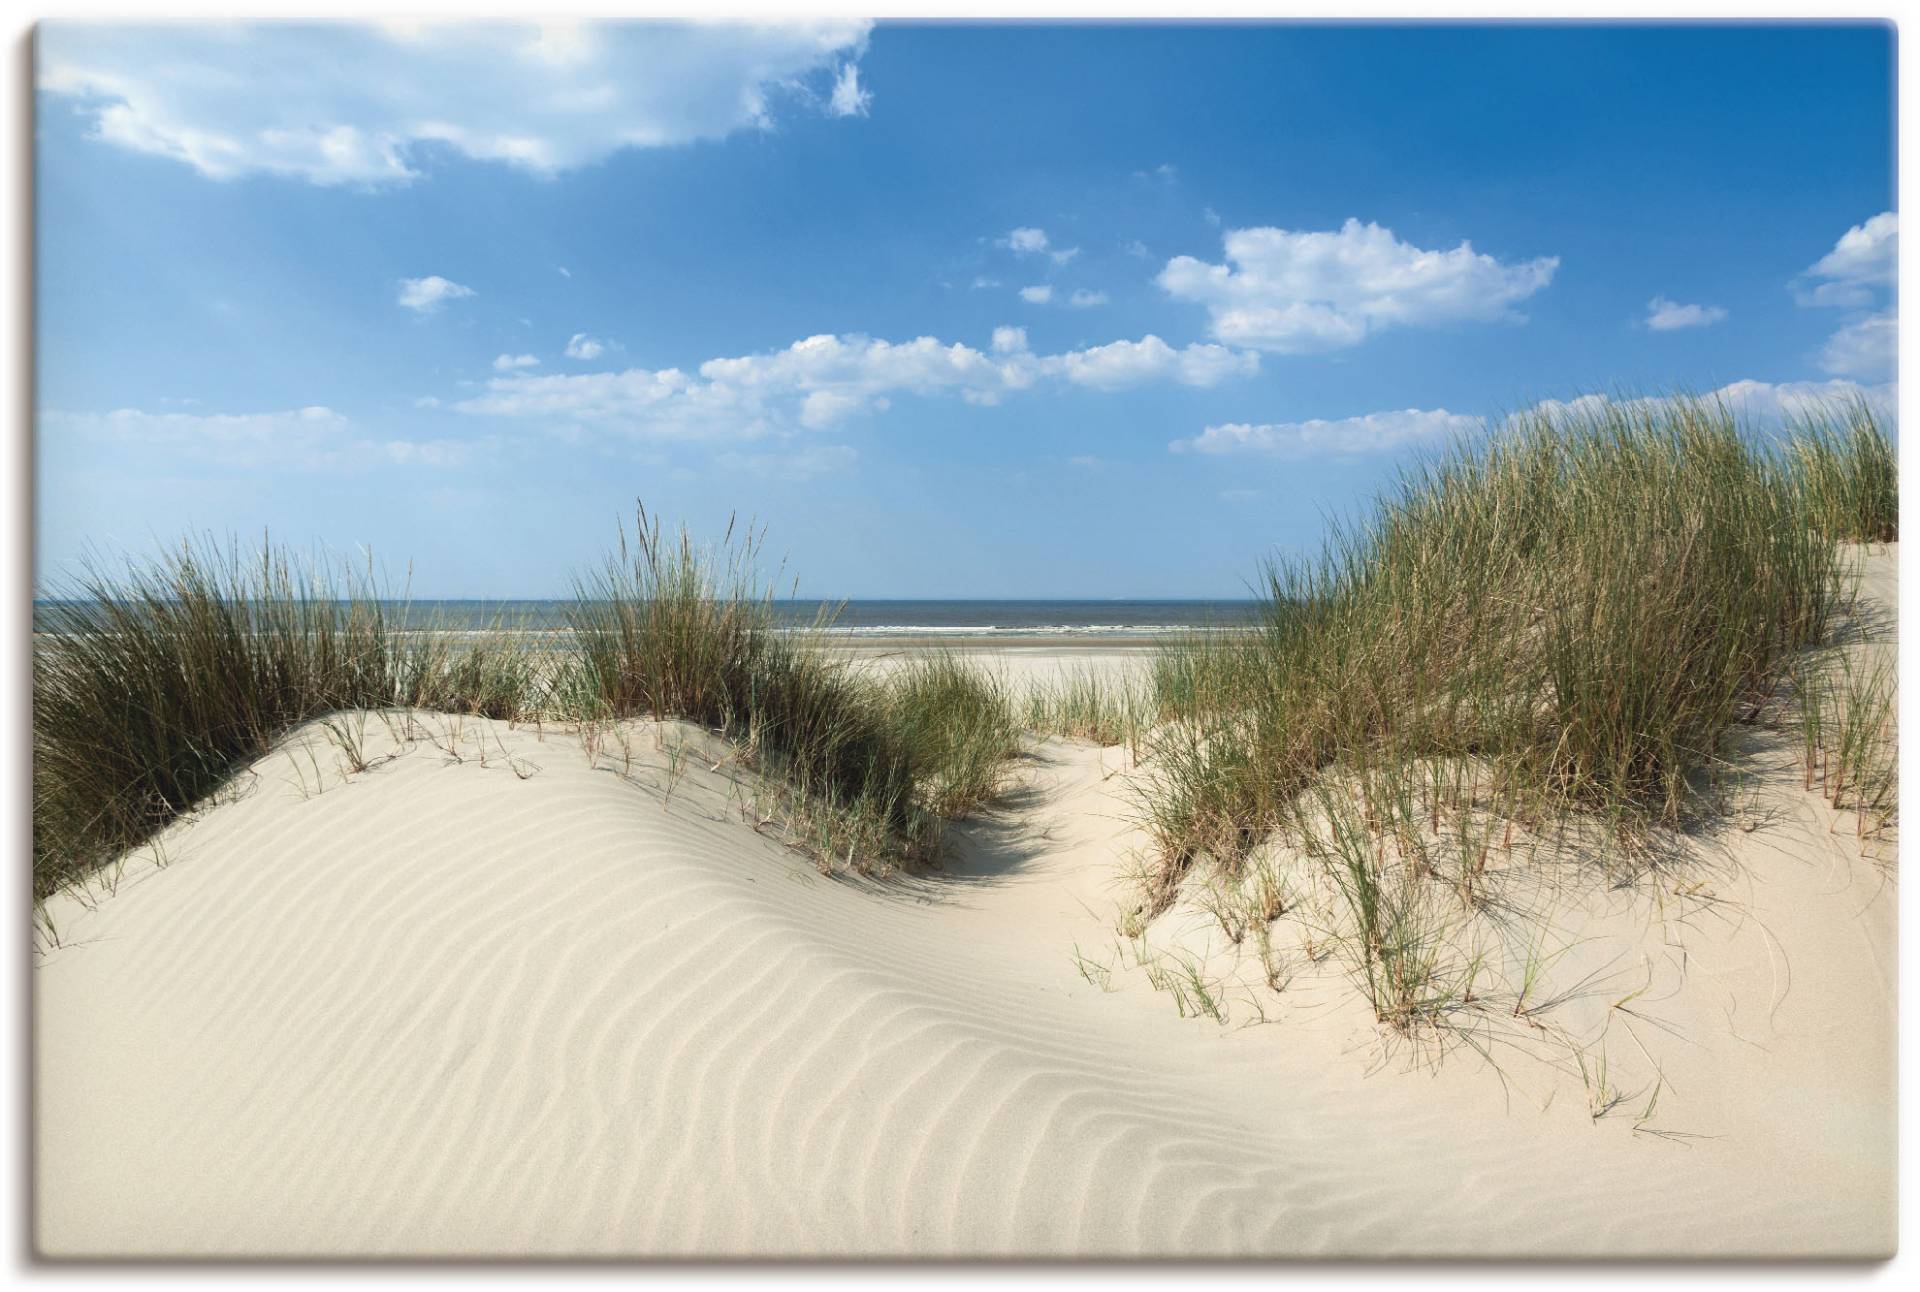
<point>501,995</point>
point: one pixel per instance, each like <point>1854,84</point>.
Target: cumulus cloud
<point>360,103</point>
<point>1865,258</point>
<point>312,438</point>
<point>1039,294</point>
<point>1294,292</point>
<point>1083,299</point>
<point>425,295</point>
<point>1852,276</point>
<point>1664,315</point>
<point>582,346</point>
<point>511,362</point>
<point>1119,364</point>
<point>1868,348</point>
<point>1368,433</point>
<point>823,381</point>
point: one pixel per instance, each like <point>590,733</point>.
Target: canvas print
<point>825,639</point>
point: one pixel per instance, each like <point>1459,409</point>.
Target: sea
<point>891,617</point>
<point>1013,619</point>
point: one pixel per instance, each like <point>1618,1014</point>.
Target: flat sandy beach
<point>511,993</point>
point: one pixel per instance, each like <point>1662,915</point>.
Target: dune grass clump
<point>665,629</point>
<point>1848,474</point>
<point>1849,749</point>
<point>1578,610</point>
<point>152,688</point>
<point>959,722</point>
<point>1085,703</point>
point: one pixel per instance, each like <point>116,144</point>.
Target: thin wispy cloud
<point>1759,403</point>
<point>584,347</point>
<point>315,438</point>
<point>1868,348</point>
<point>1295,292</point>
<point>1664,315</point>
<point>1367,433</point>
<point>514,362</point>
<point>1034,242</point>
<point>849,98</point>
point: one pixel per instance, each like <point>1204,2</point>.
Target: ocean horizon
<point>1012,616</point>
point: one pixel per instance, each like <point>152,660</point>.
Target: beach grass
<point>958,719</point>
<point>668,629</point>
<point>154,684</point>
<point>1567,620</point>
<point>1848,474</point>
<point>1087,703</point>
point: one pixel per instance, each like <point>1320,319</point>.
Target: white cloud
<point>1084,299</point>
<point>1760,403</point>
<point>1294,292</point>
<point>1135,248</point>
<point>1026,241</point>
<point>1039,294</point>
<point>823,381</point>
<point>582,346</point>
<point>308,439</point>
<point>1868,348</point>
<point>425,295</point>
<point>510,362</point>
<point>1034,242</point>
<point>564,271</point>
<point>1369,433</point>
<point>1863,259</point>
<point>1851,276</point>
<point>1665,315</point>
<point>1131,363</point>
<point>983,281</point>
<point>848,98</point>
<point>358,103</point>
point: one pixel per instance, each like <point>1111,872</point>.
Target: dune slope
<point>504,994</point>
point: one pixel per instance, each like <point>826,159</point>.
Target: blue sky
<point>954,311</point>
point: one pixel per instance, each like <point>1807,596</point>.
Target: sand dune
<point>494,996</point>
